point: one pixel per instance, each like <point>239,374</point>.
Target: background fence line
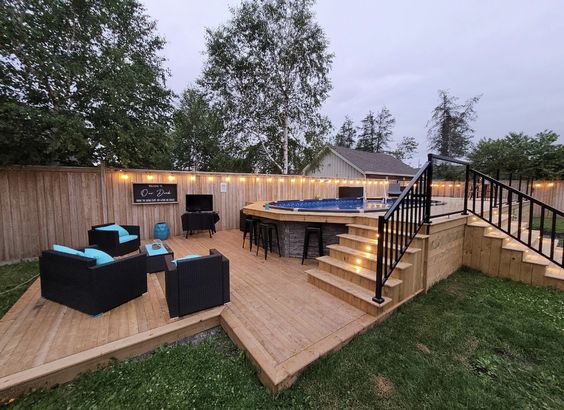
<point>550,192</point>
<point>40,206</point>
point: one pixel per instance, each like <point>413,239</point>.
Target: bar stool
<point>312,229</point>
<point>251,225</point>
<point>265,231</point>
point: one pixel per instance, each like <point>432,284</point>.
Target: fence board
<point>41,206</point>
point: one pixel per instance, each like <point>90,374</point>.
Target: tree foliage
<point>346,136</point>
<point>376,131</point>
<point>82,82</point>
<point>267,68</point>
<point>197,134</point>
<point>517,153</point>
<point>405,149</point>
<point>449,130</point>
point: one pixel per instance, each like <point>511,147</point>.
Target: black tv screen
<point>196,203</point>
<point>351,192</point>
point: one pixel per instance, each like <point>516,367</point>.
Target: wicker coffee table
<point>156,257</point>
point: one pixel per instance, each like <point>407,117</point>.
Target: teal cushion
<point>100,256</point>
<point>184,258</point>
<point>127,238</point>
<point>114,227</point>
<point>66,249</point>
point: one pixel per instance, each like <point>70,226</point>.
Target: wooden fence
<point>40,206</point>
<point>549,192</point>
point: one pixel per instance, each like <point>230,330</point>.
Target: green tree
<point>82,82</point>
<point>376,131</point>
<point>517,153</point>
<point>267,68</point>
<point>346,136</point>
<point>405,149</point>
<point>197,133</point>
<point>449,130</point>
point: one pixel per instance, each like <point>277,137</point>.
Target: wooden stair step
<point>366,255</point>
<point>372,242</point>
<point>349,292</point>
<point>357,270</point>
<point>375,229</point>
<point>555,272</point>
<point>554,277</point>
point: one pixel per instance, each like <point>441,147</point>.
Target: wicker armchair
<point>197,284</point>
<point>77,282</point>
<point>108,241</point>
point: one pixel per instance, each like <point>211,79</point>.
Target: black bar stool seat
<point>265,234</point>
<point>312,229</point>
<point>251,227</point>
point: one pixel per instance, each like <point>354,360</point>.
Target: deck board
<point>273,308</point>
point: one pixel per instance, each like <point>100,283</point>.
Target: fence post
<point>103,193</point>
<point>466,184</point>
<point>380,261</point>
<point>429,181</point>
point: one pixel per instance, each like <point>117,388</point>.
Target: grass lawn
<point>471,342</point>
<point>10,277</point>
<point>548,224</point>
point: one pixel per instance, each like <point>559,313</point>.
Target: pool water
<point>338,205</point>
<point>335,205</point>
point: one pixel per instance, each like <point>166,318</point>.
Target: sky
<point>398,54</point>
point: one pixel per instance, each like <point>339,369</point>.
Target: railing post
<point>429,188</point>
<point>466,184</point>
<point>380,262</point>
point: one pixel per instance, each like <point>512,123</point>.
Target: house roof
<point>374,162</point>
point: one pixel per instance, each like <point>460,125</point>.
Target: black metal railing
<point>399,225</point>
<point>517,214</point>
<point>484,196</point>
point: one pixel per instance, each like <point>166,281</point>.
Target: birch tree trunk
<point>285,171</point>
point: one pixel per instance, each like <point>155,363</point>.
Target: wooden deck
<point>283,322</point>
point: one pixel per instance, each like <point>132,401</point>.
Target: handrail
<point>516,191</point>
<point>443,158</point>
<point>400,224</point>
<point>514,203</point>
<point>405,190</point>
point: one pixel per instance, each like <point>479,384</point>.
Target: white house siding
<point>332,166</point>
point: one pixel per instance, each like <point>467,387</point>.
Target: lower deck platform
<point>282,322</point>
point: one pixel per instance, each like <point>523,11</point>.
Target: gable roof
<point>374,162</point>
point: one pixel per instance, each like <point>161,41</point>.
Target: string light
<point>281,179</point>
<point>228,179</point>
<point>124,176</point>
<point>210,178</point>
<point>150,177</point>
<point>292,180</point>
<point>171,177</point>
<point>551,184</point>
<point>192,177</point>
<point>257,179</point>
<point>242,179</point>
<point>269,179</point>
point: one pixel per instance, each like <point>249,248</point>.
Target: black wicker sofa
<point>77,282</point>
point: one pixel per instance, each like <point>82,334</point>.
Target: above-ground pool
<point>337,205</point>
